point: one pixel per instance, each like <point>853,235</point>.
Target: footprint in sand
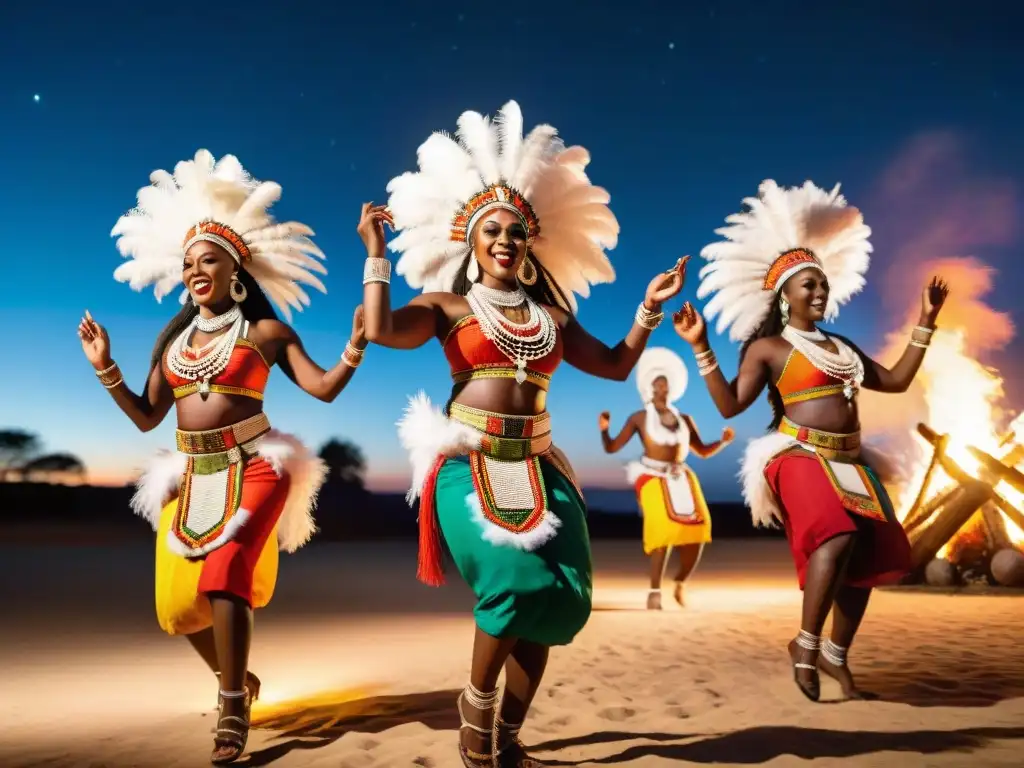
<point>679,712</point>
<point>424,762</point>
<point>616,714</point>
<point>368,744</point>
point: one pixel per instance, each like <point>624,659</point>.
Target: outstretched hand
<point>372,219</point>
<point>728,435</point>
<point>666,285</point>
<point>689,324</point>
<point>604,421</point>
<point>934,297</point>
<point>95,342</point>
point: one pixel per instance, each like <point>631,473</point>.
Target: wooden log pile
<point>934,522</point>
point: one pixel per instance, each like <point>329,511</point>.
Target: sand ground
<point>89,680</point>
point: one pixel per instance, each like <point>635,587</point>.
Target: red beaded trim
<point>785,262</point>
<point>222,231</point>
<point>500,193</point>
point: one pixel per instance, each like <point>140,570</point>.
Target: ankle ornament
<point>808,642</point>
<point>833,654</point>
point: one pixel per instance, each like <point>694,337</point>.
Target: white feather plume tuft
<point>151,235</point>
<point>576,224</point>
<point>779,220</point>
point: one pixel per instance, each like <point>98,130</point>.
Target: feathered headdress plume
<point>222,203</point>
<point>661,361</point>
<point>490,164</point>
<point>782,232</point>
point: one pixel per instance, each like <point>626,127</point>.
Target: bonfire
<point>962,500</point>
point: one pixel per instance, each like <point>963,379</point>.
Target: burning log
<point>933,523</point>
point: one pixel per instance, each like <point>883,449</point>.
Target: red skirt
<point>813,513</point>
<point>230,568</point>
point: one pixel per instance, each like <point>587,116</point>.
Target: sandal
<point>832,662</point>
<point>252,683</point>
<point>481,702</point>
<point>509,751</point>
<point>231,738</point>
<point>805,641</point>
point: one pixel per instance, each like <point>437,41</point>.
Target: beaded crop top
<point>800,381</point>
<point>246,373</point>
<point>472,355</point>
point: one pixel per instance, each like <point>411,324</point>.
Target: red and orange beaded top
<point>788,263</point>
<point>800,381</point>
<point>246,374</point>
<point>472,355</point>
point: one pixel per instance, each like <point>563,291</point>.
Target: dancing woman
<point>238,489</point>
<point>667,490</point>
<point>500,231</point>
<point>789,261</point>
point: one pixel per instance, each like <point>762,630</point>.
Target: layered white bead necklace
<point>845,366</point>
<point>208,361</point>
<point>519,342</point>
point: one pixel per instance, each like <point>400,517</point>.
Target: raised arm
<point>322,384</point>
<point>593,356</point>
<point>616,444</point>
<point>407,328</point>
<point>730,397</point>
<point>706,450</point>
<point>899,378</point>
<point>146,410</point>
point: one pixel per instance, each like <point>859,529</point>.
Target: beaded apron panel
<point>210,492</point>
<point>857,490</point>
<point>511,493</point>
<point>680,498</point>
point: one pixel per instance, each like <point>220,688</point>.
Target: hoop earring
<point>236,290</point>
<point>527,272</point>
<point>784,306</point>
<point>473,270</point>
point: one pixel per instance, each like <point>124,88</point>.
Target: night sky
<point>916,111</point>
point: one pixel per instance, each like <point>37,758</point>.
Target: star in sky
<point>36,98</point>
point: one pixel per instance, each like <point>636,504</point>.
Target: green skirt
<point>543,595</point>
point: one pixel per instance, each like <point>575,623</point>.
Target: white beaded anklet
<point>808,642</point>
<point>834,654</point>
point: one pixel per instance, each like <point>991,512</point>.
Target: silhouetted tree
<point>19,453</point>
<point>345,462</point>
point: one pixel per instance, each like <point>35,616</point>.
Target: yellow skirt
<point>180,609</point>
<point>668,524</point>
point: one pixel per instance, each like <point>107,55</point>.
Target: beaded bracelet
<point>645,318</point>
<point>352,356</point>
<point>376,270</point>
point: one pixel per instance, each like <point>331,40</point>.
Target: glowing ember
<point>963,401</point>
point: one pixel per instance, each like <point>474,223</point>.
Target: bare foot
<point>843,676</point>
<point>804,670</point>
<point>678,594</point>
<point>654,601</point>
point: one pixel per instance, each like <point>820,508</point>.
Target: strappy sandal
<point>509,751</point>
<point>233,738</point>
<point>252,683</point>
<point>807,642</point>
<point>833,659</point>
<point>480,702</point>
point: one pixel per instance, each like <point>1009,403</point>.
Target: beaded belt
<point>837,443</point>
<point>507,438</point>
<point>500,371</point>
<point>223,440</point>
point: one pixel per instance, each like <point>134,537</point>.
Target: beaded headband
<point>219,234</point>
<point>787,265</point>
<point>498,196</point>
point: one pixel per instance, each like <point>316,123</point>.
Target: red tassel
<point>430,568</point>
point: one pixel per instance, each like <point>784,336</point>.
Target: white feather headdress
<point>661,361</point>
<point>219,202</point>
<point>488,165</point>
<point>784,231</point>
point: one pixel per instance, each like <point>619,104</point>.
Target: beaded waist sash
<point>506,438</point>
<point>208,514</point>
<point>832,445</point>
<point>501,371</point>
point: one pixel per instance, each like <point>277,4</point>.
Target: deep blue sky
<point>684,112</point>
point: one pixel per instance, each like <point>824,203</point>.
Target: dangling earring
<point>473,270</point>
<point>236,290</point>
<point>527,273</point>
<point>784,306</point>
